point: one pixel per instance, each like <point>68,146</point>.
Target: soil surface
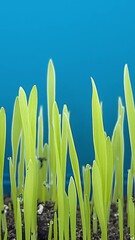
<point>43,220</point>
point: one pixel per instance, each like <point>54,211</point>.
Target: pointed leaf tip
<point>21,90</point>
<point>126,69</point>
<point>126,66</point>
<point>2,109</point>
<point>92,80</point>
<point>93,84</point>
<point>34,87</point>
<point>50,64</point>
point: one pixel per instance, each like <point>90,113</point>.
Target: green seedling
<point>72,207</point>
<point>6,235</point>
<point>60,155</point>
<point>87,191</point>
<point>87,216</point>
<point>76,172</point>
<point>40,143</point>
<point>13,188</point>
<point>15,133</point>
<point>98,199</point>
<point>130,108</point>
<point>2,155</point>
<point>129,193</point>
<point>66,216</point>
<point>102,171</point>
<point>60,192</point>
<point>29,211</point>
<point>43,186</point>
<point>50,102</point>
<point>15,139</point>
<point>55,227</point>
<point>21,167</point>
<point>28,112</point>
<point>87,180</point>
<point>42,156</point>
<point>50,230</point>
<point>118,153</point>
<point>18,222</point>
<point>130,204</point>
<point>64,143</point>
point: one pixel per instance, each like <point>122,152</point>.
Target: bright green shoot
<point>40,143</point>
<point>13,188</point>
<point>87,216</point>
<point>42,154</point>
<point>130,204</point>
<point>130,107</point>
<point>72,207</point>
<point>87,180</point>
<point>15,132</point>
<point>15,139</point>
<point>98,199</point>
<point>50,102</point>
<point>21,166</point>
<point>65,114</point>
<point>87,191</point>
<point>50,230</point>
<point>66,216</point>
<point>19,221</point>
<point>2,155</point>
<point>60,189</point>
<point>99,138</point>
<point>55,227</point>
<point>129,192</point>
<point>28,194</point>
<point>102,173</point>
<point>29,214</point>
<point>28,114</point>
<point>109,174</point>
<point>118,153</point>
<point>76,172</point>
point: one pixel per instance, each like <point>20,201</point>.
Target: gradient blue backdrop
<point>84,38</point>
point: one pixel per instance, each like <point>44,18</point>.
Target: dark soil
<point>48,213</point>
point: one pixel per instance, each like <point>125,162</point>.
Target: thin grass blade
<point>55,227</point>
<point>76,172</point>
<point>66,216</point>
<point>50,102</point>
<point>99,137</point>
<point>98,197</point>
<point>50,230</point>
<point>19,222</point>
<point>15,132</point>
<point>72,207</point>
<point>130,107</point>
<point>32,109</point>
<point>2,156</point>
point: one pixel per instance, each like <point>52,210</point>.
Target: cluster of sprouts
<point>38,170</point>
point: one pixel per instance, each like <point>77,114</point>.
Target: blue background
<point>84,38</point>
